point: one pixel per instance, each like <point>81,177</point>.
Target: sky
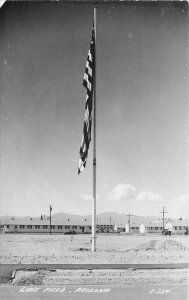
<point>142,108</point>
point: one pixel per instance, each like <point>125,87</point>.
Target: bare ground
<point>33,249</point>
<point>120,277</point>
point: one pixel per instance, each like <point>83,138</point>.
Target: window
<point>37,226</point>
<point>89,227</point>
<point>180,227</point>
<point>29,226</point>
<point>52,226</point>
<point>7,226</point>
<point>15,226</point>
<point>21,226</point>
<point>175,227</point>
<point>44,226</point>
<point>59,227</point>
<point>74,227</point>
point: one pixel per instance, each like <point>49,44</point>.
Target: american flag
<point>88,83</point>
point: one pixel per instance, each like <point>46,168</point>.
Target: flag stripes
<point>88,84</point>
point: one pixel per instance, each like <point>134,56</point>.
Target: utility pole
<point>129,221</point>
<point>50,217</point>
<point>163,212</point>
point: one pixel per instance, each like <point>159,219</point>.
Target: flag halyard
<point>88,83</point>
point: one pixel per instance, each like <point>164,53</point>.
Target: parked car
<point>70,232</point>
<point>166,232</point>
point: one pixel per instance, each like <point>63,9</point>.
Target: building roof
<point>86,221</point>
<point>46,222</point>
<point>180,223</point>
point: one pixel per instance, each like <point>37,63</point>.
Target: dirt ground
<point>94,277</point>
<point>111,249</point>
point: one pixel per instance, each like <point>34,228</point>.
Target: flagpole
<point>94,147</point>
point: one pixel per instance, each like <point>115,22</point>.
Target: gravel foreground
<point>111,249</point>
<point>118,277</point>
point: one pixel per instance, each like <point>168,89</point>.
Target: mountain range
<point>103,218</point>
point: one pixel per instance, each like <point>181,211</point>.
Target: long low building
<point>37,225</point>
<point>43,226</point>
<point>178,227</point>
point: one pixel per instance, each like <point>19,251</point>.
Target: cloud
<point>183,198</point>
<point>179,206</point>
<point>148,196</point>
<point>121,192</point>
<point>88,197</point>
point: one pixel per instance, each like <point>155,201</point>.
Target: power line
<point>50,217</point>
<point>163,212</point>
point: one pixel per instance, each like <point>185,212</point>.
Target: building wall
<point>45,228</point>
<point>158,229</point>
<point>83,229</point>
<point>134,230</point>
<point>179,229</point>
<point>105,227</point>
<point>154,229</point>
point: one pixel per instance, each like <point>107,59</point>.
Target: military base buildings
<point>83,226</point>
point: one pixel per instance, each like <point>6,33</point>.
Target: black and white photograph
<point>94,150</point>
